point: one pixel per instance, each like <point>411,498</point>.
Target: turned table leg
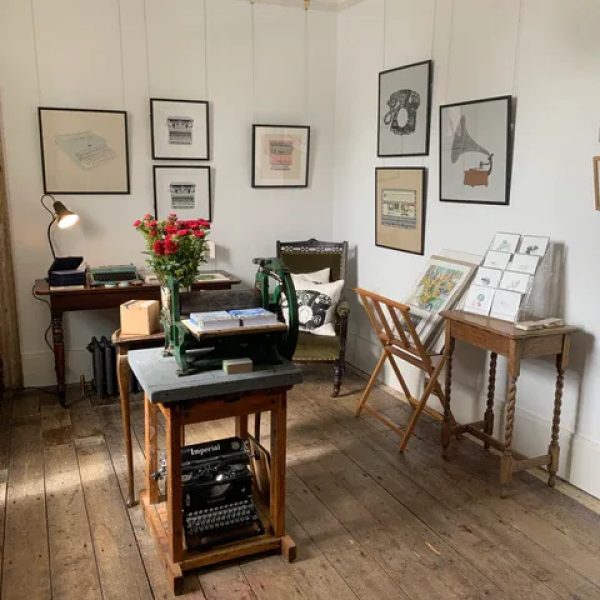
<point>447,424</point>
<point>562,361</point>
<point>58,343</point>
<point>488,418</point>
<point>506,460</point>
<point>123,375</point>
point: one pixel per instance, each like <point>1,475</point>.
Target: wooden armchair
<point>313,255</point>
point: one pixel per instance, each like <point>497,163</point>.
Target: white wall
<point>547,54</point>
<point>116,54</point>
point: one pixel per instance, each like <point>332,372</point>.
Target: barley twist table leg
<point>554,448</point>
<point>489,411</point>
<point>506,462</point>
<point>446,425</point>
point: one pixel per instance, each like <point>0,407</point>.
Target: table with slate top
<point>211,395</point>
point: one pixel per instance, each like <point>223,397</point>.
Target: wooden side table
<point>501,337</point>
<point>203,397</point>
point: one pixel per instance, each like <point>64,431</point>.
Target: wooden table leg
<point>506,460</point>
<point>58,344</point>
<point>446,423</point>
<point>123,375</point>
<point>278,458</point>
<point>151,448</point>
<point>562,361</point>
<point>241,426</point>
<point>174,492</point>
<point>488,418</point>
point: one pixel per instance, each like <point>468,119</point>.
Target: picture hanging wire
<point>449,53</point>
<point>517,49</point>
<point>205,52</point>
<point>35,53</point>
<point>122,54</point>
<point>384,32</point>
<point>252,52</point>
<point>306,57</point>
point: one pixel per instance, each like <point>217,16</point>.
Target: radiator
<point>104,366</point>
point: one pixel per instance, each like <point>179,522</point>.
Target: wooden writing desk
<point>203,397</point>
<point>94,298</point>
<point>502,337</point>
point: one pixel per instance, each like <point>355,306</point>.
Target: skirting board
<point>579,454</point>
<point>38,367</point>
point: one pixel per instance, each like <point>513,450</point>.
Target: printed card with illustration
<point>487,277</point>
<point>515,282</point>
<point>524,263</point>
<point>496,260</point>
<point>535,245</point>
<point>505,242</point>
<point>506,305</point>
<point>479,299</point>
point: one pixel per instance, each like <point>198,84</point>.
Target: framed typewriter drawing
<point>400,196</point>
<point>404,110</point>
<point>84,151</point>
<point>182,189</point>
<point>280,155</point>
<point>179,129</point>
<point>475,151</point>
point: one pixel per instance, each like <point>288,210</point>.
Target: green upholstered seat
<point>317,348</point>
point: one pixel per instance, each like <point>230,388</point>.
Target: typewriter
<point>217,493</point>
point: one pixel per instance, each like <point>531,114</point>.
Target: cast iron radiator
<point>104,367</point>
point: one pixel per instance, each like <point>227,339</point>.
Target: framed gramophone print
<point>400,194</point>
<point>475,151</point>
<point>404,110</point>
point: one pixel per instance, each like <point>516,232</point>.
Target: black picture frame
<point>404,72</point>
<point>304,171</point>
<point>423,173</point>
<point>504,133</point>
<point>48,166</point>
<point>157,154</point>
<point>203,168</point>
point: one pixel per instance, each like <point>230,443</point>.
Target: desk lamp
<point>61,215</point>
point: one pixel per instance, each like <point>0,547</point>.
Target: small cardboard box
<point>140,317</point>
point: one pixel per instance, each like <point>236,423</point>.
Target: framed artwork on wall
<point>596,163</point>
<point>182,189</point>
<point>475,151</point>
<point>84,151</point>
<point>400,198</point>
<point>404,110</point>
<point>280,155</point>
<point>179,129</point>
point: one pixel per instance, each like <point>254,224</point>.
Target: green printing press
<point>195,353</point>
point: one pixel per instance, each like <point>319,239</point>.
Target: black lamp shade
<point>64,217</point>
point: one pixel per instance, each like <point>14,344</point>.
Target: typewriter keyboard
<point>221,518</point>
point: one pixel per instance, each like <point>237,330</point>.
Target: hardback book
<point>216,319</point>
<point>254,317</point>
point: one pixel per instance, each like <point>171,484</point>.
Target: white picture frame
<point>478,299</point>
<point>536,245</point>
<point>179,129</point>
<point>524,263</point>
<point>184,190</point>
<point>496,260</point>
<point>506,305</point>
<point>505,242</point>
<point>487,277</point>
<point>515,282</point>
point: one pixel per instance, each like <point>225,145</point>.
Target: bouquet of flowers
<point>174,247</point>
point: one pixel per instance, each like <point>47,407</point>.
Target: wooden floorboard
<point>369,523</point>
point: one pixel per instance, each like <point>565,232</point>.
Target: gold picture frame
<point>596,164</point>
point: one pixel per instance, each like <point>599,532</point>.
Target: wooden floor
<point>368,522</point>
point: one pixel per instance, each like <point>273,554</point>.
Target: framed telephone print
<point>84,151</point>
<point>280,155</point>
<point>400,194</point>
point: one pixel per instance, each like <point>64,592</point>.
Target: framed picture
<point>534,244</point>
<point>475,151</point>
<point>84,151</point>
<point>404,110</point>
<point>496,260</point>
<point>524,263</point>
<point>486,277</point>
<point>400,197</point>
<point>478,299</point>
<point>596,163</point>
<point>505,242</point>
<point>179,129</point>
<point>182,189</point>
<point>506,305</point>
<point>280,155</point>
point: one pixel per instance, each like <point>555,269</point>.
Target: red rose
<point>199,233</point>
<point>170,229</point>
<point>147,217</point>
<point>137,223</point>
<point>158,247</point>
<point>152,223</point>
<point>171,247</point>
<point>182,232</point>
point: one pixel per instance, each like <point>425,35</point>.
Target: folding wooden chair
<point>392,323</point>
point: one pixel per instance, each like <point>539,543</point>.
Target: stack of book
<point>222,319</point>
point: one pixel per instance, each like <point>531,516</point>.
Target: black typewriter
<point>217,493</point>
